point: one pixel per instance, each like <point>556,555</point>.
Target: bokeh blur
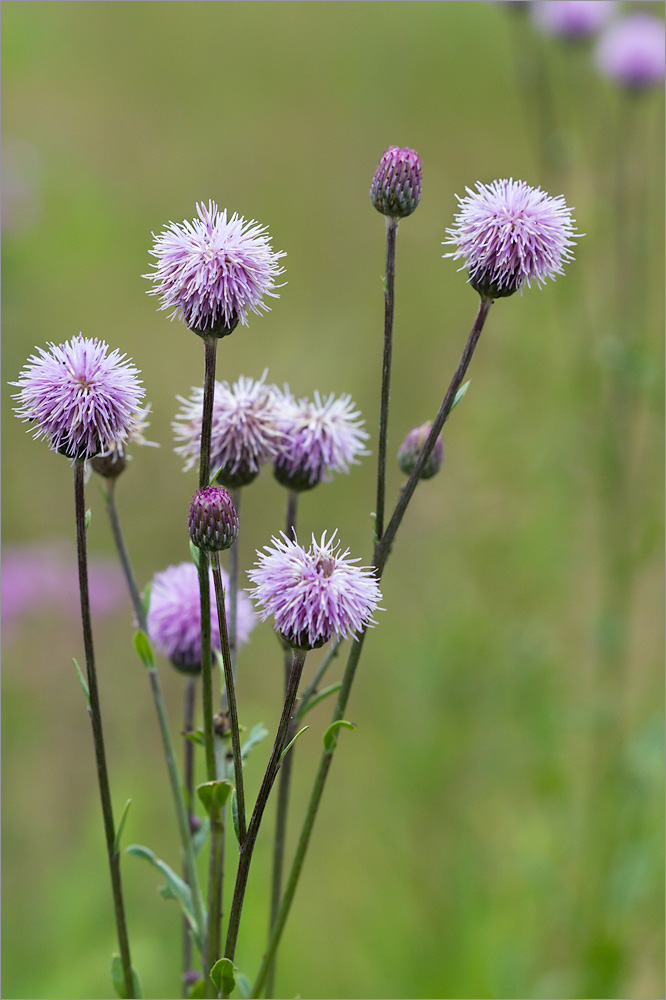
<point>494,825</point>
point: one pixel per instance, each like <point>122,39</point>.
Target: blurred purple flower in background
<point>174,616</point>
<point>572,18</point>
<point>214,269</point>
<point>82,400</point>
<point>314,593</point>
<point>509,233</point>
<point>44,578</point>
<point>632,51</point>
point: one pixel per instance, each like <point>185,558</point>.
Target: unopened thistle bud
<point>411,448</point>
<point>396,186</point>
<point>213,521</point>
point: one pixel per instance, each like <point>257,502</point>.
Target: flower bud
<point>411,448</point>
<point>111,465</point>
<point>213,521</point>
<point>396,186</point>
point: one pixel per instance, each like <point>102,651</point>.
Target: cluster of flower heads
<point>83,400</point>
<point>313,594</point>
<point>509,234</point>
<point>215,269</point>
<point>174,616</point>
<point>254,422</point>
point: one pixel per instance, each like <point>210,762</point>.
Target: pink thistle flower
<point>572,18</point>
<point>213,519</point>
<point>509,234</point>
<point>632,51</point>
<point>214,270</point>
<point>174,616</point>
<point>318,438</point>
<point>244,433</point>
<point>314,593</point>
<point>396,186</point>
<point>82,400</point>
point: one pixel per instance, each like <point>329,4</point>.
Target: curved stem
<point>260,805</point>
<point>389,301</point>
<point>98,737</point>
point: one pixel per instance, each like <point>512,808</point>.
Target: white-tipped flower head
<point>244,432</point>
<point>213,519</point>
<point>313,594</point>
<point>81,399</point>
<point>318,438</point>
<point>214,270</point>
<point>509,234</point>
<point>174,616</point>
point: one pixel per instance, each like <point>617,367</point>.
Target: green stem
<point>98,737</point>
<point>189,698</point>
<point>215,883</point>
<point>234,554</point>
<point>210,348</point>
<point>123,555</point>
<point>260,805</point>
<point>231,696</point>
<point>311,689</point>
<point>389,301</point>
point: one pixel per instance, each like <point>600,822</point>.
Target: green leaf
<point>196,737</point>
<point>175,887</point>
<point>194,552</point>
<point>291,743</point>
<point>121,826</point>
<point>144,649</point>
<point>118,979</point>
<point>316,698</point>
<point>88,518</point>
<point>84,682</point>
<point>145,598</point>
<point>214,795</point>
<point>256,735</point>
<point>197,991</point>
<point>459,395</point>
<point>223,976</point>
<point>243,985</point>
<point>331,734</point>
<point>234,814</point>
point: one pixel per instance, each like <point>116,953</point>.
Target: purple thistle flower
<point>82,400</point>
<point>244,433</point>
<point>214,270</point>
<point>572,18</point>
<point>509,233</point>
<point>213,519</point>
<point>174,616</point>
<point>396,186</point>
<point>411,448</point>
<point>632,51</point>
<point>313,594</point>
<point>319,438</point>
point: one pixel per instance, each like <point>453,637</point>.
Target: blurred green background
<point>494,826</point>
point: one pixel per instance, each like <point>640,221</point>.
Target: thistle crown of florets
<point>213,519</point>
<point>396,187</point>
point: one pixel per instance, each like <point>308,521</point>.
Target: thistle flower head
<point>411,448</point>
<point>214,270</point>
<point>81,399</point>
<point>111,465</point>
<point>396,186</point>
<point>174,616</point>
<point>213,520</point>
<point>509,234</point>
<point>572,18</point>
<point>313,593</point>
<point>318,438</point>
<point>631,51</point>
<point>244,433</point>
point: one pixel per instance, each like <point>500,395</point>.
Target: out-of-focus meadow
<point>494,825</point>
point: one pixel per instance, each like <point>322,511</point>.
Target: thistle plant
<point>213,273</point>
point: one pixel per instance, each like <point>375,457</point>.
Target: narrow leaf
<point>177,889</point>
<point>196,737</point>
<point>88,518</point>
<point>223,976</point>
<point>84,682</point>
<point>316,698</point>
<point>459,395</point>
<point>121,826</point>
<point>243,985</point>
<point>145,598</point>
<point>144,649</point>
<point>291,743</point>
<point>194,552</point>
<point>118,979</point>
<point>214,795</point>
<point>256,735</point>
<point>331,734</point>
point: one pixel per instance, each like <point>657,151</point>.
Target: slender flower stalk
<point>234,556</point>
<point>98,737</point>
<point>389,305</point>
<point>189,698</point>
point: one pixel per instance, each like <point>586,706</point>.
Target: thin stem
<point>210,358</point>
<point>98,738</point>
<point>311,689</point>
<point>260,805</point>
<point>231,696</point>
<point>188,773</point>
<point>382,552</point>
<point>210,348</point>
<point>292,512</point>
<point>234,554</point>
<point>389,300</point>
<point>123,555</point>
<point>215,884</point>
<point>384,545</point>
